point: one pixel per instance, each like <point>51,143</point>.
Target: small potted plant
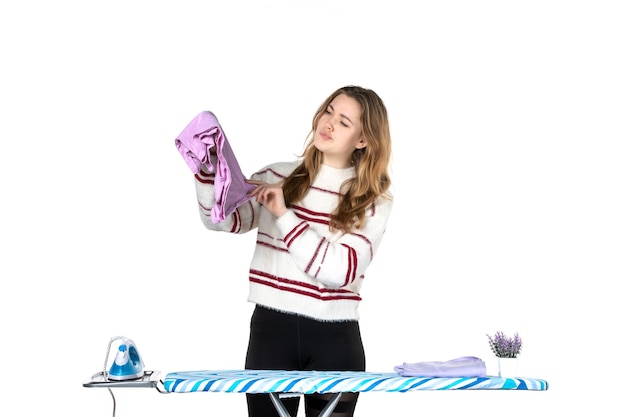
<point>506,350</point>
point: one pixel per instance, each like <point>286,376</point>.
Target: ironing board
<point>279,384</point>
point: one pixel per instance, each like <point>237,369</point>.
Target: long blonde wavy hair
<point>371,163</point>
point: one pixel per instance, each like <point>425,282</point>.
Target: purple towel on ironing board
<point>466,366</point>
<point>194,144</point>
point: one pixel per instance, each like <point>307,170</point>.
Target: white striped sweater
<point>299,266</point>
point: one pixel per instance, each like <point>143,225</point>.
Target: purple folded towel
<point>466,366</point>
<point>194,144</point>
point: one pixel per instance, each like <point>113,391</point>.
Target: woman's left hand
<point>269,196</point>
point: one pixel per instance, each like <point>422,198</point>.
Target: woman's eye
<point>344,124</point>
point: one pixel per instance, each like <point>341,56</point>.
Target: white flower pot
<point>507,367</point>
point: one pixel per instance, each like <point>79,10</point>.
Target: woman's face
<point>338,132</point>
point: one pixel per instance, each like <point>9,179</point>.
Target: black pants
<point>289,342</point>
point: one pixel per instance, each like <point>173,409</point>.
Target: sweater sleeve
<point>340,259</point>
<point>242,220</point>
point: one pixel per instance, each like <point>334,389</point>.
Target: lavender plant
<point>505,347</point>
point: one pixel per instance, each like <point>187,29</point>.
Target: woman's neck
<point>338,163</point>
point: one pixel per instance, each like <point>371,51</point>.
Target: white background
<point>508,124</point>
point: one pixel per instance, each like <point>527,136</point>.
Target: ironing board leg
<point>282,411</point>
<point>280,407</point>
<point>328,410</point>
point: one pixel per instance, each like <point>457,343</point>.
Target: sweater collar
<point>343,173</point>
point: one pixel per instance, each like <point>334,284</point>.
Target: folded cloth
<point>466,366</point>
<point>194,144</point>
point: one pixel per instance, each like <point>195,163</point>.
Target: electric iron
<point>127,364</point>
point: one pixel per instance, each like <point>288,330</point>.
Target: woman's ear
<point>362,143</point>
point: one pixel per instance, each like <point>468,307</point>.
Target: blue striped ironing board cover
<point>309,382</point>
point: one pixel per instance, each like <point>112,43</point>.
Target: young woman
<point>319,221</point>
